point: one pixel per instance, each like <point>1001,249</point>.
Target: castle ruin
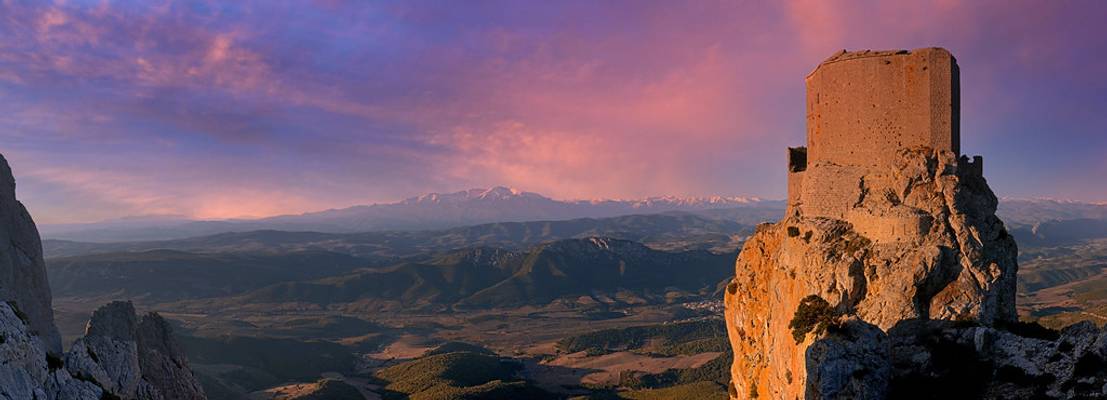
<point>863,108</point>
<point>889,226</point>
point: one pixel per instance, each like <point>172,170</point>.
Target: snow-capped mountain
<point>429,211</point>
<point>498,204</point>
<point>501,204</point>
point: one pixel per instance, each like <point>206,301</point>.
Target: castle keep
<point>863,108</point>
<point>889,239</point>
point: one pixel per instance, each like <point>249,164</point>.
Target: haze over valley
<point>351,299</point>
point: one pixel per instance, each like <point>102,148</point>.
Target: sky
<point>255,108</point>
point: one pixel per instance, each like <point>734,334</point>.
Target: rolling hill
<point>667,231</point>
<point>586,266</point>
<point>486,277</point>
<point>164,275</point>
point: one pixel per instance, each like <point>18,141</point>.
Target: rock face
<point>962,267</point>
<point>957,360</point>
<point>120,356</point>
<point>132,358</point>
<point>903,230</point>
<point>22,269</point>
<point>26,372</point>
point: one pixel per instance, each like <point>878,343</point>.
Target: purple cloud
<point>202,108</point>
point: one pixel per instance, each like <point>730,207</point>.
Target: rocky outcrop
<point>164,365</point>
<point>26,369</point>
<point>890,275</point>
<point>959,265</point>
<point>22,268</point>
<point>120,356</point>
<point>133,358</point>
<point>935,359</point>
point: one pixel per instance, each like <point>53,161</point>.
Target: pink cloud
<point>572,133</point>
<point>121,192</point>
<point>573,100</point>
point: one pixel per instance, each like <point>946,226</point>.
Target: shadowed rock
<point>120,356</point>
<point>931,359</point>
<point>886,222</point>
<point>22,269</point>
<point>163,363</point>
<point>133,358</point>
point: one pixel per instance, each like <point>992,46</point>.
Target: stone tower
<point>887,223</point>
<point>862,109</point>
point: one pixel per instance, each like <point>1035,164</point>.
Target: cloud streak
<point>258,108</point>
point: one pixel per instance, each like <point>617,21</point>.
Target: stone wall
<point>863,106</point>
<point>797,164</point>
<point>974,167</point>
<point>829,190</point>
<point>894,225</point>
<point>887,224</point>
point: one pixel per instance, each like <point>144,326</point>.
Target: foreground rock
<point>887,224</point>
<point>946,360</point>
<point>131,357</point>
<point>120,356</point>
<point>27,372</point>
<point>962,268</point>
<point>22,269</point>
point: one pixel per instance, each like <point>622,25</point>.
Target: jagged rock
<point>939,359</point>
<point>63,386</point>
<point>116,320</point>
<point>120,356</point>
<point>163,363</point>
<point>850,362</point>
<point>108,353</point>
<point>131,358</point>
<point>22,268</point>
<point>112,363</point>
<point>23,366</point>
<point>886,222</point>
<point>961,268</point>
<point>26,372</point>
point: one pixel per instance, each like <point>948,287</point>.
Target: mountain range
<point>430,211</point>
<point>673,231</point>
<point>437,211</point>
<point>229,264</point>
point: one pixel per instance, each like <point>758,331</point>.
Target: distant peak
<point>493,193</point>
<point>500,192</point>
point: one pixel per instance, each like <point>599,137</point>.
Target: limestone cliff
<point>132,358</point>
<point>22,269</point>
<point>120,356</point>
<point>890,275</point>
<point>960,267</point>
